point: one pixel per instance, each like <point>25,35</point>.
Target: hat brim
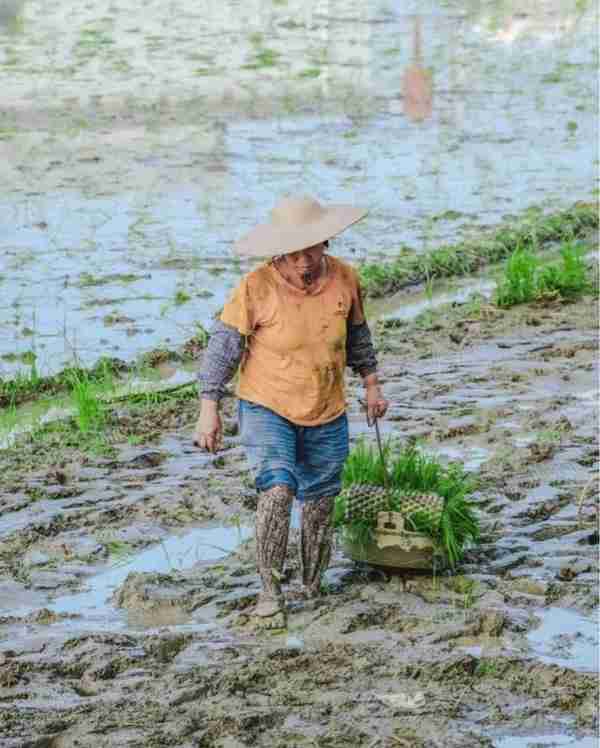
<point>267,239</point>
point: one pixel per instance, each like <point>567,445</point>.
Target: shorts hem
<point>275,477</point>
<point>329,489</point>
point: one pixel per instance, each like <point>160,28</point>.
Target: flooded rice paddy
<point>135,143</point>
<point>125,579</point>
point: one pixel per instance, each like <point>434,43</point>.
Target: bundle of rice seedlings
<point>432,497</point>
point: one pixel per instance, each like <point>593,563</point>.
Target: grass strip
<point>529,233</point>
<point>26,387</point>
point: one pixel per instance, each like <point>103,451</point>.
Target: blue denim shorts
<point>309,459</point>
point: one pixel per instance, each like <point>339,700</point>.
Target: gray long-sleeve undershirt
<point>226,346</point>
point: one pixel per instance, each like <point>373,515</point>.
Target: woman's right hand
<point>209,427</point>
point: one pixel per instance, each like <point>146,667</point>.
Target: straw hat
<point>297,223</point>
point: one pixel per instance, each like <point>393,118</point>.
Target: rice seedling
<point>264,58</point>
<point>310,73</point>
<point>119,551</point>
<point>181,297</point>
<point>8,418</point>
<point>526,280</point>
<point>27,386</point>
<point>519,283</point>
<point>532,232</point>
<point>568,278</point>
<point>412,474</point>
<point>90,410</point>
<point>13,391</point>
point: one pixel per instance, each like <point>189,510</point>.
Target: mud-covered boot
<point>272,530</point>
<point>316,538</point>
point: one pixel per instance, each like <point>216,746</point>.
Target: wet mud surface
<point>126,581</point>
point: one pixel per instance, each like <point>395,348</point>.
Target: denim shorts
<point>309,459</point>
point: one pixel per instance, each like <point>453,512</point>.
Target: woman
<point>293,324</point>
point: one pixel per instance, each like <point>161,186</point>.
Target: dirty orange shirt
<point>295,341</point>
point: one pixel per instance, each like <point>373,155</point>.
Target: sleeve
<point>238,311</point>
<point>221,360</point>
<point>357,312</point>
<point>360,352</point>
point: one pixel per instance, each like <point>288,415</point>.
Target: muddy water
<point>137,141</point>
<point>579,633</point>
<point>171,555</point>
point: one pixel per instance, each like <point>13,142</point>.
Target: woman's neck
<point>302,281</point>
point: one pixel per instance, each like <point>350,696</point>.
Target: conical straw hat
<point>297,223</point>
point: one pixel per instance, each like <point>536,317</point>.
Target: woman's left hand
<point>377,405</point>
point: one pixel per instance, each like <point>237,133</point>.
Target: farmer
<point>293,324</point>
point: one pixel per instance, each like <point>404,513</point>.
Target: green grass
<point>310,73</point>
<point>265,58</point>
<point>8,419</point>
<point>487,668</point>
<point>90,411</point>
<point>201,336</point>
<point>526,280</point>
<point>87,280</point>
<point>181,297</point>
<point>13,391</point>
<point>24,387</point>
<point>569,277</point>
<point>519,284</point>
<point>55,437</point>
<point>119,551</point>
<point>531,232</point>
<point>412,471</point>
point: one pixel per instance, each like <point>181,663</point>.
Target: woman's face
<point>307,260</point>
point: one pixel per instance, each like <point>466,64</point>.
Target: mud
<point>126,580</point>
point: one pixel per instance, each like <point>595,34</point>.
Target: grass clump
<point>264,58</point>
<point>531,233</point>
<point>181,297</point>
<point>90,411</point>
<point>412,472</point>
<point>24,387</point>
<point>310,73</point>
<point>525,280</point>
<point>518,285</point>
<point>569,277</point>
<point>119,550</point>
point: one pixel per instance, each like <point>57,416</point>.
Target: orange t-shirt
<point>296,341</point>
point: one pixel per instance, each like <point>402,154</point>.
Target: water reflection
<point>10,14</point>
<point>417,83</point>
